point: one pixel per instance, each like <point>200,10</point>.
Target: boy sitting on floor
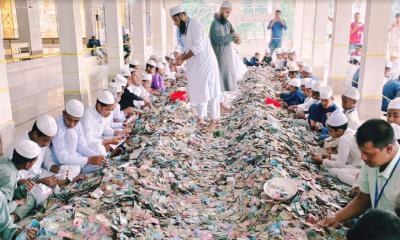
<point>346,165</point>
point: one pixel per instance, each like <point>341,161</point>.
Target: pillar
<point>308,31</point>
<point>170,27</point>
<point>114,37</point>
<point>159,38</point>
<point>373,63</point>
<point>6,120</point>
<point>340,45</point>
<point>138,8</point>
<point>298,26</point>
<point>320,38</point>
<point>90,17</point>
<point>72,56</point>
<point>28,17</point>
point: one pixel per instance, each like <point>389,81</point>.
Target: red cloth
<point>178,95</point>
<point>269,101</point>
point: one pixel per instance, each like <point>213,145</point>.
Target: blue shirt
<point>277,29</point>
<point>391,90</point>
<point>318,113</point>
<point>293,98</point>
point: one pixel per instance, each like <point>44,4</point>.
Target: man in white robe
<point>202,67</point>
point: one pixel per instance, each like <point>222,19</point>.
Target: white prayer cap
<point>295,82</point>
<point>352,92</point>
<point>291,50</point>
<point>388,64</point>
<point>121,79</point>
<point>394,104</point>
<point>226,4</point>
<point>316,86</point>
<point>267,50</point>
<point>293,67</point>
<point>178,50</point>
<point>171,56</point>
<point>278,51</point>
<point>75,108</point>
<point>152,63</point>
<point>325,92</point>
<point>47,125</point>
<point>336,119</point>
<point>27,149</point>
<point>175,10</point>
<point>115,88</point>
<point>146,77</point>
<point>307,82</point>
<point>160,65</point>
<point>135,62</point>
<point>307,69</point>
<point>300,62</point>
<point>283,50</point>
<point>106,97</point>
<point>126,72</point>
<point>153,57</point>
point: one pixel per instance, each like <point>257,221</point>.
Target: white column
<point>307,31</point>
<point>28,17</point>
<point>373,63</point>
<point>298,26</point>
<point>90,17</point>
<point>139,30</point>
<point>6,120</point>
<point>170,28</point>
<point>320,38</point>
<point>158,28</point>
<point>114,37</point>
<point>340,45</point>
<point>76,83</point>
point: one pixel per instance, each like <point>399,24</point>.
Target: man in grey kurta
<point>222,35</point>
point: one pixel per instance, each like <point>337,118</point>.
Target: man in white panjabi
<point>202,67</point>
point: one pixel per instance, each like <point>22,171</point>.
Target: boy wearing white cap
<point>295,96</point>
<point>318,113</point>
<point>96,125</point>
<point>23,157</point>
<point>69,150</point>
<point>308,73</point>
<point>202,72</point>
<point>267,59</point>
<point>393,116</point>
<point>309,88</point>
<point>349,102</point>
<point>150,67</point>
<point>37,179</point>
<point>346,165</point>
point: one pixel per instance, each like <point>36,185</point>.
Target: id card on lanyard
<point>378,194</point>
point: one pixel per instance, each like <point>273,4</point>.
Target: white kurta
<point>141,92</point>
<point>36,170</point>
<point>70,145</point>
<point>306,105</point>
<point>95,127</point>
<point>347,161</point>
<point>202,69</point>
<point>352,118</point>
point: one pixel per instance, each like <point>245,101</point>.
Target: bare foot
<point>223,107</point>
<point>212,126</point>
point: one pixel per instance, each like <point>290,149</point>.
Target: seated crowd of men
<point>58,151</point>
<point>365,157</point>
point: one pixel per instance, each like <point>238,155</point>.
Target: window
<point>255,7</point>
<point>48,19</point>
<point>9,18</point>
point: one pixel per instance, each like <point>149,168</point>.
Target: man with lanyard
<point>202,72</point>
<point>276,25</point>
<point>380,176</point>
